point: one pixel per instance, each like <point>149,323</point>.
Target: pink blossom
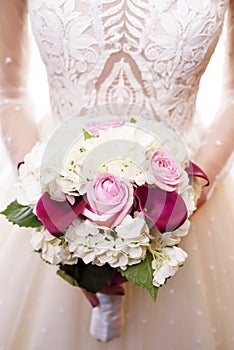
<point>163,167</point>
<point>95,127</point>
<point>109,200</point>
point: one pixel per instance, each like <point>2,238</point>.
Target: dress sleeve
<point>18,128</point>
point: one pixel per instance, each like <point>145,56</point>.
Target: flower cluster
<point>120,247</point>
<point>123,190</point>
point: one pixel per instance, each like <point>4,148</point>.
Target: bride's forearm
<point>217,146</point>
<point>18,127</point>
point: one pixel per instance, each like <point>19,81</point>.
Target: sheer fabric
<point>15,106</point>
<point>149,54</point>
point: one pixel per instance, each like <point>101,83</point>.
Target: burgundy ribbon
<point>57,216</point>
<point>166,210</point>
<point>194,170</point>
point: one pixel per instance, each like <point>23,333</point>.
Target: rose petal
<point>166,210</point>
<point>95,127</point>
<point>194,170</point>
<point>57,216</point>
<point>109,200</point>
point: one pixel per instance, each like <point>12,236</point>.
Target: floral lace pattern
<point>148,53</point>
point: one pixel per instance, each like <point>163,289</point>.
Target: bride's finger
<point>201,200</point>
<point>113,290</point>
<point>91,297</point>
<point>117,278</point>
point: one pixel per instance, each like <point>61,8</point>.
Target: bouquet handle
<point>106,319</point>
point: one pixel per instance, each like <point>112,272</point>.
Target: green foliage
<point>21,215</point>
<point>87,135</point>
<point>141,275</point>
<point>90,277</point>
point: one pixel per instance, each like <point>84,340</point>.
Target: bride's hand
<point>113,287</point>
<point>201,200</point>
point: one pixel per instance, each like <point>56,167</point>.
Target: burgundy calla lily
<point>166,210</point>
<point>194,170</point>
<point>57,216</point>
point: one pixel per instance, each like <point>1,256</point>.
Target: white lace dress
<point>149,54</point>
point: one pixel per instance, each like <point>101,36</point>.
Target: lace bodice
<point>148,53</point>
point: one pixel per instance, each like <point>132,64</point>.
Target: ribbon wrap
<point>106,319</point>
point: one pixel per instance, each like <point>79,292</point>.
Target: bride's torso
<point>130,52</point>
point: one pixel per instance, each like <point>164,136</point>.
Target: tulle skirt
<point>194,310</point>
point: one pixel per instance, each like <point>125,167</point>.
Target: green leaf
<point>93,277</point>
<point>133,120</point>
<point>142,275</point>
<point>21,215</point>
<point>67,277</point>
<point>87,135</point>
<point>90,277</point>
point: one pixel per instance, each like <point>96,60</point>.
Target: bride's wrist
<point>207,191</point>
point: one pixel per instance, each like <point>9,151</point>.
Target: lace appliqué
<point>148,53</point>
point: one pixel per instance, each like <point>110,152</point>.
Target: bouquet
<point>105,196</point>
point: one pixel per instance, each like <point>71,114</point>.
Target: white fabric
<point>105,324</point>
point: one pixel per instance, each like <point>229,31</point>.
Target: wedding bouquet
<point>116,196</point>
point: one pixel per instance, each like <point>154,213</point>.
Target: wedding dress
<point>149,54</point>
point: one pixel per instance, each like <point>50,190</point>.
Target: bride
<point>151,54</point>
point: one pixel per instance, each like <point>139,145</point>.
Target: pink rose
<point>95,127</point>
<point>109,200</point>
<point>163,167</point>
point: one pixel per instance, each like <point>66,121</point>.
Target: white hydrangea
<point>88,157</point>
<point>51,183</point>
<point>188,195</point>
<point>37,178</point>
<point>126,245</point>
<point>167,264</point>
<point>51,248</point>
<point>29,187</point>
<point>174,237</point>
